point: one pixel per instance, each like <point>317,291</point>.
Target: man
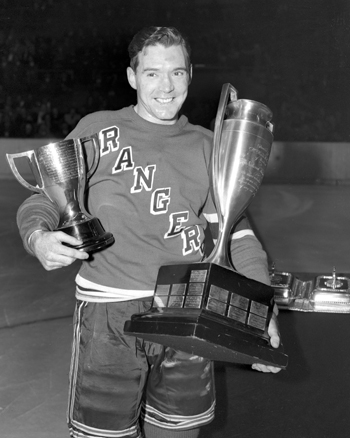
<point>151,190</point>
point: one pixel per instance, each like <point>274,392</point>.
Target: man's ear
<point>131,77</point>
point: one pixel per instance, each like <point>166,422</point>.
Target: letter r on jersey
<point>109,139</point>
<point>191,239</point>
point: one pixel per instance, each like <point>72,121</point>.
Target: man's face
<point>161,81</point>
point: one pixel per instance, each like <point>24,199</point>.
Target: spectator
<point>56,122</point>
<point>71,118</point>
<point>28,131</point>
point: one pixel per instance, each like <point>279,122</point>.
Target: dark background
<point>291,55</point>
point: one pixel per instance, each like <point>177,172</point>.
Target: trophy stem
<point>219,255</point>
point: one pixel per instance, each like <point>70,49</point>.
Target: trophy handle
<point>96,147</point>
<point>219,255</point>
<point>227,91</point>
<point>32,159</point>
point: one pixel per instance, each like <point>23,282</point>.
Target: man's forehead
<point>159,51</point>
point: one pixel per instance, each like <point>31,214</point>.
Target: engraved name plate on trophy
<point>60,172</point>
<point>208,308</point>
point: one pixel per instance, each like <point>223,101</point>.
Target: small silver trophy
<point>60,172</point>
<point>207,308</point>
<point>317,293</point>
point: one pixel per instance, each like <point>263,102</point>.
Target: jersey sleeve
<point>36,213</point>
<point>249,258</point>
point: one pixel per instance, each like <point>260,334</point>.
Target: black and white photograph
<point>174,194</point>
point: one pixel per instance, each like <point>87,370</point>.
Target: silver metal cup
<point>61,173</point>
<point>207,308</point>
<point>242,144</point>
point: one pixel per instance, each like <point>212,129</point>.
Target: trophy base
<point>210,311</point>
<point>203,336</point>
<point>92,233</point>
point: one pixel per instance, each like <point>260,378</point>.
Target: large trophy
<point>61,173</point>
<point>207,308</point>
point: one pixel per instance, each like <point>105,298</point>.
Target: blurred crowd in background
<point>51,76</point>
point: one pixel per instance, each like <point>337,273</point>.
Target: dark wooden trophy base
<point>210,311</point>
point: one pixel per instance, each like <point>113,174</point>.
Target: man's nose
<point>166,84</point>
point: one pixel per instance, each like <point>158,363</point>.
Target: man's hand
<point>275,342</point>
<point>49,249</point>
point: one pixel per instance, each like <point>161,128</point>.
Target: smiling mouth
<point>164,101</point>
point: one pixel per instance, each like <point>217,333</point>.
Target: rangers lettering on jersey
<point>144,179</point>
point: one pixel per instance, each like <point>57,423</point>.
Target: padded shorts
<point>116,380</point>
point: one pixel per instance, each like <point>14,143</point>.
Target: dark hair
<point>150,36</point>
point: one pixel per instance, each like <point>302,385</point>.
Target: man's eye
<point>152,75</point>
<point>179,73</point>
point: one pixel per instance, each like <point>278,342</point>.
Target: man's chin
<point>168,118</point>
<point>170,113</point>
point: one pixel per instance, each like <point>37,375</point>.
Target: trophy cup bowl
<point>207,308</point>
<point>60,173</point>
